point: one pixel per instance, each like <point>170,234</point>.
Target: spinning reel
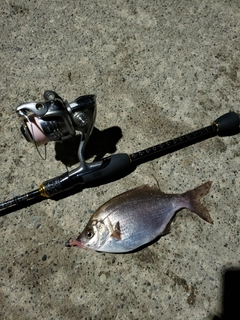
<point>57,120</point>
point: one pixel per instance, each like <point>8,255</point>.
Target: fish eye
<point>90,234</point>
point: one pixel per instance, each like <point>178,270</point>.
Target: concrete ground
<point>159,69</point>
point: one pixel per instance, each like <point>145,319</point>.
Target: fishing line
<point>21,113</point>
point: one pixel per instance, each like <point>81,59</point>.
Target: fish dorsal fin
<point>159,189</point>
<point>147,187</point>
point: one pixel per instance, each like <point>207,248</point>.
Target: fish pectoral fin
<point>116,235</point>
<point>116,231</point>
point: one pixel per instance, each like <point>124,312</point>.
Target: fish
<point>137,217</point>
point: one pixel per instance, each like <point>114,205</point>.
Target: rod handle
<point>110,169</point>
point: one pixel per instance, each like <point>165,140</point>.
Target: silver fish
<point>137,217</point>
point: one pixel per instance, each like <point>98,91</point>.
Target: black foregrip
<point>57,185</point>
<point>228,124</point>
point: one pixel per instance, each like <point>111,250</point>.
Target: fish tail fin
<point>194,203</point>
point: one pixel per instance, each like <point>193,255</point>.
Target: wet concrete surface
<point>159,69</point>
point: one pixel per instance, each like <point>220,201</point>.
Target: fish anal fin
<point>167,230</point>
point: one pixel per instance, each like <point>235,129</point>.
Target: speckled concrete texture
<point>159,69</point>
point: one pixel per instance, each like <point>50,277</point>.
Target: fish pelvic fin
<point>194,196</point>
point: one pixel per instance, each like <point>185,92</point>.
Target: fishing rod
<point>57,120</point>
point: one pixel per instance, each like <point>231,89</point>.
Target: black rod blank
<point>170,146</point>
<point>16,201</point>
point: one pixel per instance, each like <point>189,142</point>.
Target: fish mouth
<point>74,243</point>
